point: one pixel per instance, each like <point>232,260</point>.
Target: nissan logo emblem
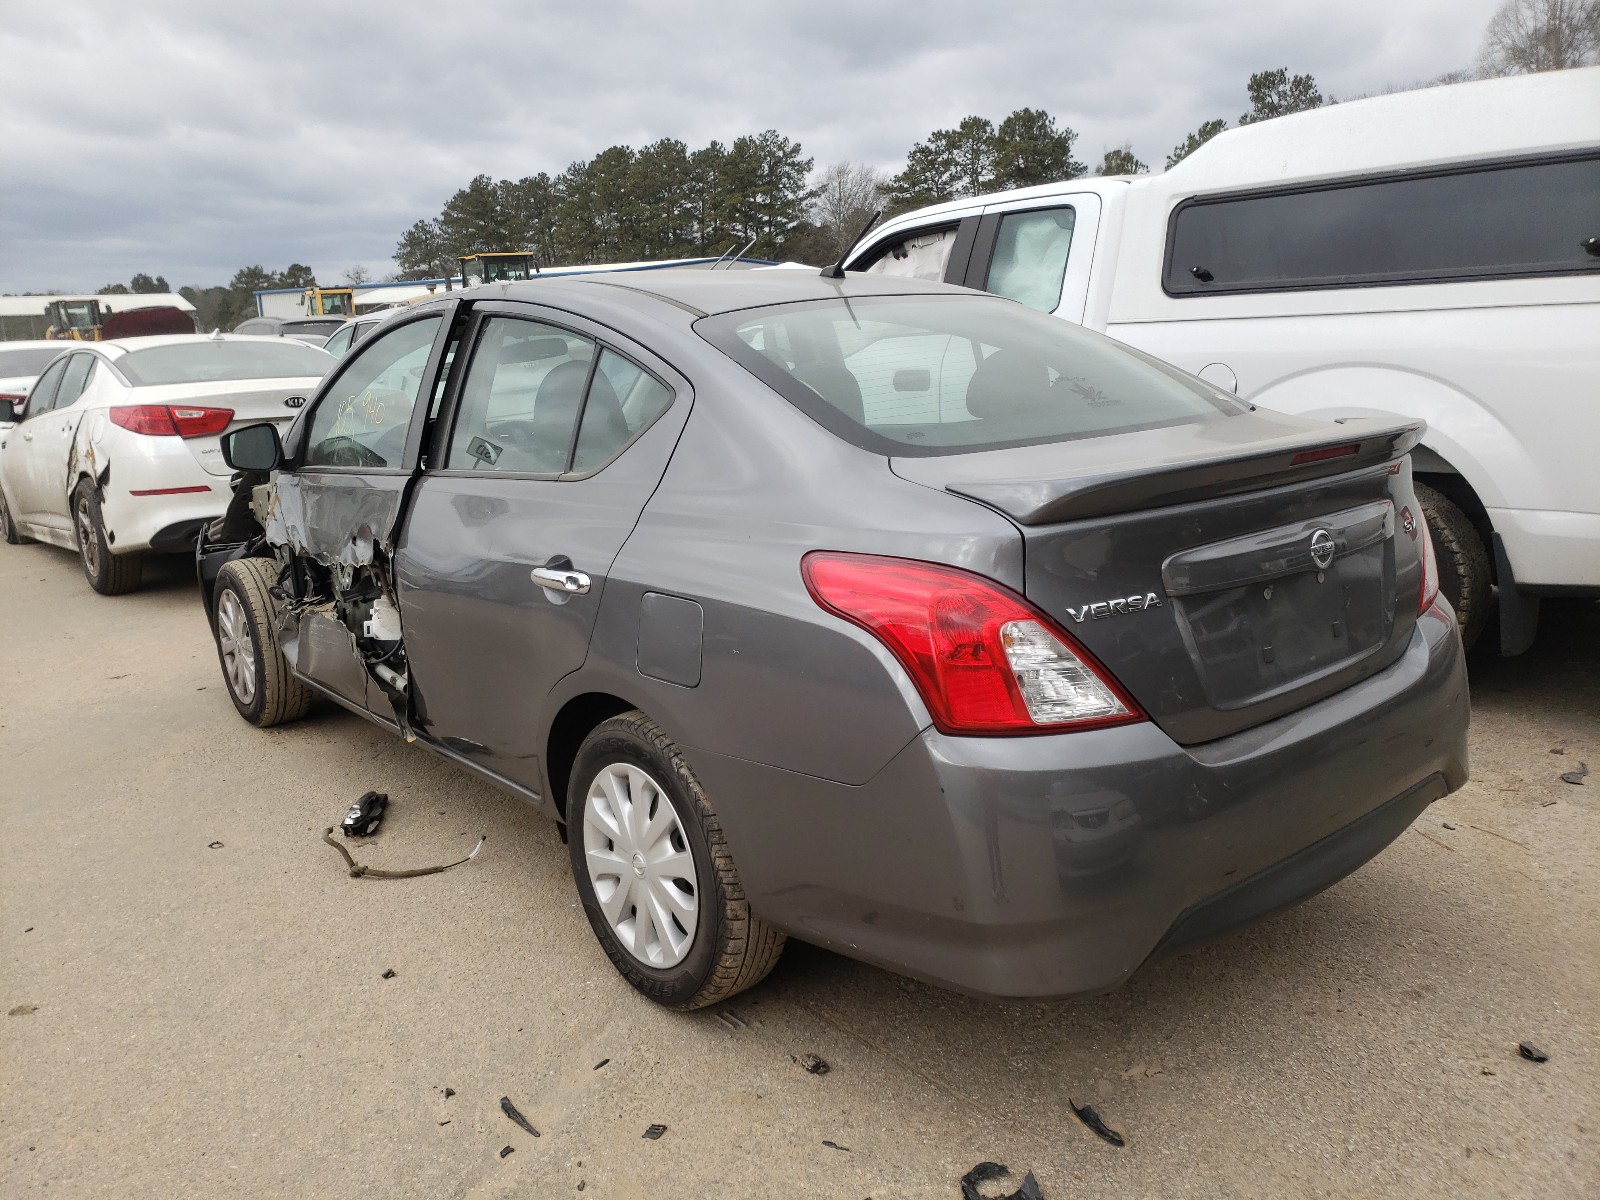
<point>1322,548</point>
<point>295,401</point>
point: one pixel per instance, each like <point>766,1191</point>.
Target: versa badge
<point>1113,608</point>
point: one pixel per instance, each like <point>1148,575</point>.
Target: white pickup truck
<point>1430,254</point>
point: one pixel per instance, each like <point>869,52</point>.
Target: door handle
<point>559,580</point>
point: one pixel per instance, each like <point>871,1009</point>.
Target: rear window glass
<point>26,361</point>
<point>327,326</point>
<point>926,375</point>
<point>213,362</point>
<point>1523,219</point>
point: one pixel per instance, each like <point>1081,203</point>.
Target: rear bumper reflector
<point>170,491</point>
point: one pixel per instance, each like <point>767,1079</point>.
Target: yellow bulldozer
<point>329,302</point>
<point>90,321</point>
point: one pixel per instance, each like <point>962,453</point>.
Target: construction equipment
<point>497,266</point>
<point>88,321</point>
<point>329,302</point>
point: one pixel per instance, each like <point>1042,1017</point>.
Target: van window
<point>1485,222</point>
<point>1030,257</point>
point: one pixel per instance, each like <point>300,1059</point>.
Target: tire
<point>109,574</point>
<point>1464,575</point>
<point>729,948</point>
<point>8,527</point>
<point>261,685</point>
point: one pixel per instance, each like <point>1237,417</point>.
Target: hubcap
<point>88,540</point>
<point>640,865</point>
<point>238,648</point>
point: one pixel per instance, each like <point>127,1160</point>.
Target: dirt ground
<point>197,1002</point>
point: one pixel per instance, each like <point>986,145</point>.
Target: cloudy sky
<point>191,138</point>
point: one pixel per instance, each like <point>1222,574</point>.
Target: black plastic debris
<point>654,1132</point>
<point>505,1150</point>
<point>365,815</point>
<point>389,974</point>
<point>1531,1052</point>
<point>448,1092</point>
<point>510,1110</point>
<point>814,1063</point>
<point>1575,777</point>
<point>835,1146</point>
<point>601,1063</point>
<point>1089,1117</point>
<point>444,1123</point>
<point>985,1171</point>
<point>1447,824</point>
<point>213,845</point>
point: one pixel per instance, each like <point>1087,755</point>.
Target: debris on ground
<point>389,974</point>
<point>601,1063</point>
<point>444,1123</point>
<point>1447,824</point>
<point>510,1110</point>
<point>654,1132</point>
<point>359,871</point>
<point>505,1150</point>
<point>448,1092</point>
<point>1531,1052</point>
<point>365,815</point>
<point>213,845</point>
<point>986,1171</point>
<point>1089,1117</point>
<point>23,1010</point>
<point>1485,1071</point>
<point>813,1063</point>
<point>1575,776</point>
<point>835,1146</point>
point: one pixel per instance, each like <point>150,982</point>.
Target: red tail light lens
<point>160,420</point>
<point>1430,566</point>
<point>984,660</point>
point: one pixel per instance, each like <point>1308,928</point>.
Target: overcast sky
<point>188,139</point>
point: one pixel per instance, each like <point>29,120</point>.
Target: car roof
<point>704,293</point>
<point>37,344</point>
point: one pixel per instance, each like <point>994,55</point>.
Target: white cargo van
<point>1430,254</point>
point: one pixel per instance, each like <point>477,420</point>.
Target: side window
<point>79,367</point>
<point>520,398</point>
<point>623,399</point>
<point>1030,257</point>
<point>339,344</point>
<point>43,395</point>
<point>920,255</point>
<point>362,420</point>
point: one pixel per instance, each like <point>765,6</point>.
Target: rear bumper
<point>1054,865</point>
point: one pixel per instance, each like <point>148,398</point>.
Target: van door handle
<point>558,580</point>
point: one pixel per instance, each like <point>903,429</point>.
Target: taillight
<point>160,420</point>
<point>1430,566</point>
<point>984,660</point>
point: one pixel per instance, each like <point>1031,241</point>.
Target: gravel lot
<point>197,1021</point>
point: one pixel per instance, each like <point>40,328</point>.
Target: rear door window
<point>520,398</point>
<point>1030,257</point>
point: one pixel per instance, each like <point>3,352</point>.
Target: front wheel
<point>263,688</point>
<point>654,873</point>
<point>109,574</point>
<point>1463,561</point>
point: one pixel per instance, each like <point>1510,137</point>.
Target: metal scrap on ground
<point>510,1110</point>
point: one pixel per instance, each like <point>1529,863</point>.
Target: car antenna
<point>722,256</point>
<point>738,256</point>
<point>837,270</point>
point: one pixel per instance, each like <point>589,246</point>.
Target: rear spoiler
<point>1051,501</point>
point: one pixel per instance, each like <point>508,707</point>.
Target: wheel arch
<point>575,720</point>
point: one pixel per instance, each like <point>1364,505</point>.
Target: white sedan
<point>20,364</point>
<point>117,452</point>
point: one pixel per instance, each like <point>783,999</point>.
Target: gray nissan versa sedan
<point>890,616</point>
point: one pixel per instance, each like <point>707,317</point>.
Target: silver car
<point>885,615</point>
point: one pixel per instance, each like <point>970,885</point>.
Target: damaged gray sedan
<point>885,615</point>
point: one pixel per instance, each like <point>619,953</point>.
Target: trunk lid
<point>253,401</point>
<point>1226,572</point>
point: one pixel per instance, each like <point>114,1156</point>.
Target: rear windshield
<point>926,375</point>
<point>323,327</point>
<point>214,362</point>
<point>27,361</point>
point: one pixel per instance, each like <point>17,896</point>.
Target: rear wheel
<point>1464,575</point>
<point>263,688</point>
<point>109,574</point>
<point>654,873</point>
<point>8,527</point>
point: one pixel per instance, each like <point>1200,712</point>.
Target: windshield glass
<point>213,362</point>
<point>27,361</point>
<point>923,375</point>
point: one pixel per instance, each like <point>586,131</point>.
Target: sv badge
<point>1114,608</point>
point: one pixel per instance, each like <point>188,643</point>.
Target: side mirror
<point>11,409</point>
<point>253,448</point>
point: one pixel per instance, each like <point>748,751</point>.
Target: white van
<point>1430,254</point>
